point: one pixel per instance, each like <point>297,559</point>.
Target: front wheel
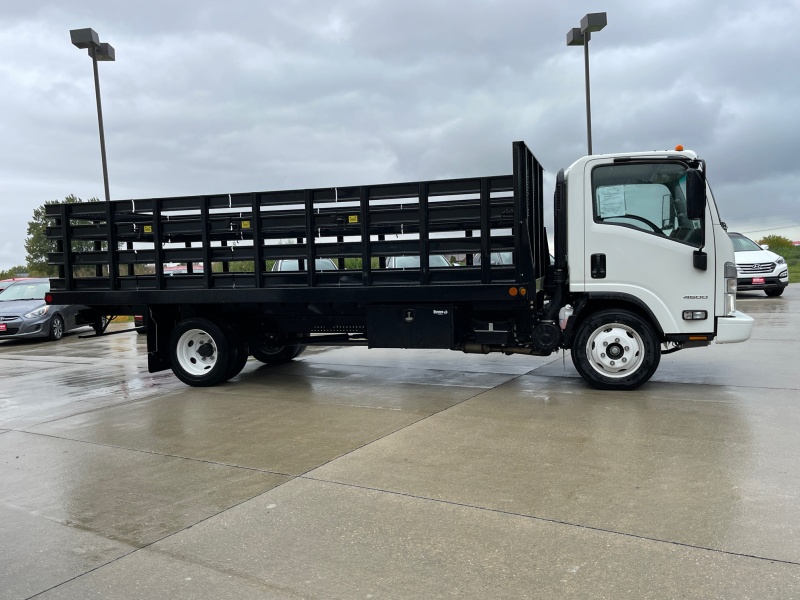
<point>201,353</point>
<point>774,292</point>
<point>56,328</point>
<point>615,350</point>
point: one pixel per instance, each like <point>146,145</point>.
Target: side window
<point>646,196</point>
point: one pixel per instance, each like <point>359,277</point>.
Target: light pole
<point>580,36</point>
<point>88,38</point>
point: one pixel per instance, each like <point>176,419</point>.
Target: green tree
<point>37,245</point>
<point>776,242</point>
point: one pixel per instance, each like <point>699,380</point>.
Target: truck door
<point>640,242</point>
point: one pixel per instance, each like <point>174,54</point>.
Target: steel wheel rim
<point>196,352</point>
<point>615,350</point>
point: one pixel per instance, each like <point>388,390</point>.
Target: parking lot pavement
<point>356,473</point>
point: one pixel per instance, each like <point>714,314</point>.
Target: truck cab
<point>647,251</point>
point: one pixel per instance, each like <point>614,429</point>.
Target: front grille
<point>756,268</point>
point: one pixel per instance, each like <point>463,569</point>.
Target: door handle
<point>598,266</point>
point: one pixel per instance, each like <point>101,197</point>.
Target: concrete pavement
<point>356,473</point>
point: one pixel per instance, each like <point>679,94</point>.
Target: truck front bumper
<point>734,329</point>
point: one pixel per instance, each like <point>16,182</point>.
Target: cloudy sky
<point>238,96</point>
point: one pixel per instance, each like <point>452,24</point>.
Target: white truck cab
<point>647,233</point>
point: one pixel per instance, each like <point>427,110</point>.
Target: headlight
<point>780,260</point>
<point>39,312</point>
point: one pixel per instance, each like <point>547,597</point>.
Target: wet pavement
<point>355,473</point>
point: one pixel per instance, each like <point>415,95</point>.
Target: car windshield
<point>743,244</point>
<point>25,291</point>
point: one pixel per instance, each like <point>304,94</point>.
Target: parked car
<point>169,270</point>
<point>502,258</point>
<point>495,258</point>
<point>24,313</point>
<point>412,262</point>
<point>757,267</point>
<point>320,264</point>
<point>4,283</point>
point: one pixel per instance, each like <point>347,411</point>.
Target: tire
<point>100,325</point>
<point>774,292</point>
<point>275,355</point>
<point>235,341</point>
<point>56,328</point>
<point>201,353</point>
<point>615,350</point>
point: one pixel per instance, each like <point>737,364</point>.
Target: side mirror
<point>695,194</point>
<point>765,246</point>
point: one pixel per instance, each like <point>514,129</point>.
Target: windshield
<point>25,291</point>
<point>650,196</point>
<point>743,244</point>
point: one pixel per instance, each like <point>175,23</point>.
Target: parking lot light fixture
<point>580,36</point>
<point>87,38</point>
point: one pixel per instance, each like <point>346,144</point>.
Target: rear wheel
<point>235,341</point>
<point>100,325</point>
<point>275,355</point>
<point>774,292</point>
<point>615,350</point>
<point>201,353</point>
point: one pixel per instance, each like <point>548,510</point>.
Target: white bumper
<point>734,329</point>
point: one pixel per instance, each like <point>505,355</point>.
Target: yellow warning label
<point>148,229</point>
<point>352,218</point>
<point>245,224</point>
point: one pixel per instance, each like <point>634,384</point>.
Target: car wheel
<point>615,350</point>
<point>201,353</point>
<point>275,355</point>
<point>56,328</point>
<point>774,292</point>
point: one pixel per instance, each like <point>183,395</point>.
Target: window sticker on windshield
<point>611,201</point>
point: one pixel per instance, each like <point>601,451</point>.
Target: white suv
<point>758,268</point>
